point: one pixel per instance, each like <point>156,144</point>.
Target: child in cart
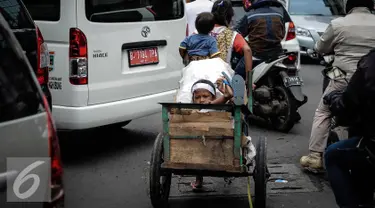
<point>200,46</point>
<point>204,92</point>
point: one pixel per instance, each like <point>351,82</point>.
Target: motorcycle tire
<point>290,113</point>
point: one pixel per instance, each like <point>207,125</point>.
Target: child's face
<point>202,96</point>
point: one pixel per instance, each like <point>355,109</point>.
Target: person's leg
<point>363,180</point>
<point>240,68</point>
<point>320,131</point>
<point>198,183</point>
<point>340,158</point>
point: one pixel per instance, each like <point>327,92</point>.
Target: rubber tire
<point>157,199</point>
<point>292,110</point>
<point>260,173</point>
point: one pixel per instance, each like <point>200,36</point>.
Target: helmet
<point>252,4</point>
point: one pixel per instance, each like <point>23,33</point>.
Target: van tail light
<point>78,70</point>
<point>56,182</point>
<point>187,30</point>
<point>43,59</point>
<point>291,32</point>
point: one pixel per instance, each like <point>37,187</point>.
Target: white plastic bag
<point>250,151</point>
<point>210,69</point>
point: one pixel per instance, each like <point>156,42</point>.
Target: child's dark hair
<point>205,23</point>
<point>223,12</point>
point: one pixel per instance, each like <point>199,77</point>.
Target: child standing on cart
<point>200,46</point>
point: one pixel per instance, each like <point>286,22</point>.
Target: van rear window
<point>14,13</point>
<point>133,10</point>
<point>44,10</point>
<point>19,96</point>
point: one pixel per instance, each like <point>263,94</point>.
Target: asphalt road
<point>109,169</point>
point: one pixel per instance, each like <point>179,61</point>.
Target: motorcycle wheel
<point>285,121</point>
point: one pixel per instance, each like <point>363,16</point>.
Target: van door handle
<point>144,44</point>
<point>4,177</point>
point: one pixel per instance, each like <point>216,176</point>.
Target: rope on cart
<point>249,193</point>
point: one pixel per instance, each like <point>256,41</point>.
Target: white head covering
<point>205,86</point>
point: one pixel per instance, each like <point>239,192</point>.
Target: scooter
<point>278,92</point>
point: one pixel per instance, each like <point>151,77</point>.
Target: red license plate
<point>144,56</point>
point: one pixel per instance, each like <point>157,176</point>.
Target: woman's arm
<point>248,56</point>
<point>241,47</point>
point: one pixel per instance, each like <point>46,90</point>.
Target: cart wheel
<point>160,182</point>
<point>260,173</point>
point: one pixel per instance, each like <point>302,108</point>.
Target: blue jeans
<point>240,68</point>
<point>350,174</point>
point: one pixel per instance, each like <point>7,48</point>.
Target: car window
<point>15,14</point>
<point>44,10</point>
<point>19,96</point>
<point>133,10</point>
<point>316,7</point>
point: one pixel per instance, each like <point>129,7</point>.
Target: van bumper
<point>79,118</point>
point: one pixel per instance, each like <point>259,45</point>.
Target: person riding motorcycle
<point>350,163</point>
<point>264,26</point>
<point>349,38</point>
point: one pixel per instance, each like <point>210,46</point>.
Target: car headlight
<point>303,32</point>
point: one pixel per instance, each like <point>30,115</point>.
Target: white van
<point>111,60</point>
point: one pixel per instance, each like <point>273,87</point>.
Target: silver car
<point>29,148</point>
<point>311,18</point>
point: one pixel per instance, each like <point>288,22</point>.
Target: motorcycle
<point>278,92</point>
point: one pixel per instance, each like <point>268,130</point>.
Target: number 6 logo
<point>23,177</point>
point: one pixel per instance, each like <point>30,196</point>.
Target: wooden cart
<point>206,144</point>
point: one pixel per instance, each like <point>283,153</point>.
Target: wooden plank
<point>200,167</point>
<point>165,134</point>
<point>197,151</point>
<point>195,116</point>
<point>201,129</point>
